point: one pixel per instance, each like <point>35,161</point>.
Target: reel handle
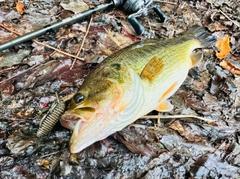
<point>139,29</point>
<point>161,15</point>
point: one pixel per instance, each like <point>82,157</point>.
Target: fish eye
<point>78,98</point>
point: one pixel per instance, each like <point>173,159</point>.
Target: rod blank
<point>76,18</point>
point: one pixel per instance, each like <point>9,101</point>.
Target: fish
<point>131,83</point>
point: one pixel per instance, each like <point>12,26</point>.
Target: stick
<point>84,38</point>
<point>209,121</point>
<point>236,23</point>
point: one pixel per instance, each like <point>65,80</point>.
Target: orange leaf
<point>224,47</point>
<point>20,7</point>
<point>230,67</point>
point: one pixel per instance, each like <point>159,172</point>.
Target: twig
<point>10,30</point>
<point>178,116</point>
<point>236,23</point>
<point>52,153</point>
<point>43,44</point>
<point>6,69</point>
<point>59,51</point>
<point>84,38</point>
<point>166,2</point>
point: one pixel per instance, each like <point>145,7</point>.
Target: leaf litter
<point>173,148</point>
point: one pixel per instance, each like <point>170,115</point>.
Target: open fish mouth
<point>69,120</point>
<point>86,133</point>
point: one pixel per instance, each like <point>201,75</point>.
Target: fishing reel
<point>138,8</point>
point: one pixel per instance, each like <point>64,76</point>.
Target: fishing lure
<point>51,118</point>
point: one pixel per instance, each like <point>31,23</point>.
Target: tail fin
<point>206,38</point>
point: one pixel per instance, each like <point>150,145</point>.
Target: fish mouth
<point>88,124</point>
<point>82,121</point>
<point>77,124</point>
<point>69,120</point>
<point>86,133</point>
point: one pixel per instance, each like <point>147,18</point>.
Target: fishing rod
<point>136,7</point>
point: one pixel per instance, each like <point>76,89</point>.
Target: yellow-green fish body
<point>131,83</point>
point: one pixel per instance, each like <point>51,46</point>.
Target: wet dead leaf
<point>21,142</point>
<point>211,101</point>
<point>119,39</point>
<point>190,17</point>
<point>75,6</point>
<point>193,102</point>
<point>40,73</point>
<point>213,164</point>
<point>14,58</point>
<point>216,26</point>
<point>5,36</point>
<point>54,164</point>
<point>186,132</point>
<point>141,141</point>
<point>7,88</point>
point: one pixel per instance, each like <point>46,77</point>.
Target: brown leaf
<point>41,72</point>
<point>7,88</point>
<point>76,7</point>
<point>44,163</point>
<point>20,7</point>
<point>187,132</point>
<point>141,141</point>
<point>216,26</point>
<point>230,67</point>
<point>119,39</point>
<point>192,102</point>
<point>21,141</point>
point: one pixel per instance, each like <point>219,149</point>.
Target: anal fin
<point>164,106</point>
<point>196,57</point>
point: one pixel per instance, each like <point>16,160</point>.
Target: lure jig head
<point>51,118</point>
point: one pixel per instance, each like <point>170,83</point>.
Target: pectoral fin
<point>196,57</point>
<point>153,68</point>
<point>164,106</point>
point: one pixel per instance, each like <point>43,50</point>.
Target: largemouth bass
<point>129,84</point>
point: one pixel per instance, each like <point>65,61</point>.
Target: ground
<point>31,73</point>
